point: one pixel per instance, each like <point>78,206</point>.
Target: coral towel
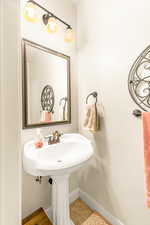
<point>146,133</point>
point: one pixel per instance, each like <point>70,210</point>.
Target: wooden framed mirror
<point>46,86</point>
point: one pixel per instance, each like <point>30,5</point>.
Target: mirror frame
<point>25,123</point>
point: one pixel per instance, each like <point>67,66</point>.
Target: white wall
<point>111,34</point>
<point>1,70</point>
<point>35,195</point>
<point>10,114</point>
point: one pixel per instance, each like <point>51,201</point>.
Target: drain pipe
<point>38,179</point>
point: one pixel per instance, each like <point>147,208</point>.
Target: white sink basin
<point>64,157</point>
<point>58,161</point>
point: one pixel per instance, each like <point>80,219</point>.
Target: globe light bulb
<point>30,12</point>
<point>69,36</point>
<point>52,26</point>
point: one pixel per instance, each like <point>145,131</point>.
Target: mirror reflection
<point>46,92</point>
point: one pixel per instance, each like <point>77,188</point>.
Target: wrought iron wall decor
<point>47,98</point>
<point>139,82</point>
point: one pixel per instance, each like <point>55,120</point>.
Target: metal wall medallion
<point>139,80</point>
<point>47,98</point>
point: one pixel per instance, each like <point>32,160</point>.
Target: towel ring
<point>63,99</point>
<point>94,94</point>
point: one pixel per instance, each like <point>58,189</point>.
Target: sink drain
<point>59,161</point>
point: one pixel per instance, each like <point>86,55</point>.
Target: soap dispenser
<point>39,140</point>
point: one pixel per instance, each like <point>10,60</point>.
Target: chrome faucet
<point>54,138</point>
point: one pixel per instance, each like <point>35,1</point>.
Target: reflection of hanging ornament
<point>47,98</point>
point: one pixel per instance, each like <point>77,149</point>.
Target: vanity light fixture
<point>69,37</point>
<point>30,12</point>
<point>49,19</point>
<point>51,24</point>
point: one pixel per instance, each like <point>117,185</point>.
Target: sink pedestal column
<point>60,200</point>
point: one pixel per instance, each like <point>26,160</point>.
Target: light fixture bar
<point>50,13</point>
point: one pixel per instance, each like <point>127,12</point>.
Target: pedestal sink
<point>58,161</point>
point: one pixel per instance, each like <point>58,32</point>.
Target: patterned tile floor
<point>81,214</point>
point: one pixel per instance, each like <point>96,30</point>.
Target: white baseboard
<point>74,195</point>
<point>91,203</point>
<point>48,212</point>
<point>99,208</point>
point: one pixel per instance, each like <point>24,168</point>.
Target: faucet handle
<point>56,133</point>
<point>57,136</point>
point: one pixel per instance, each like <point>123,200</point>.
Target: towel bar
<point>137,113</point>
<point>63,99</point>
<point>94,94</point>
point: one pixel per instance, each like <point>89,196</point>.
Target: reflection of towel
<point>45,116</point>
<point>146,132</point>
<point>91,120</point>
<point>63,111</point>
